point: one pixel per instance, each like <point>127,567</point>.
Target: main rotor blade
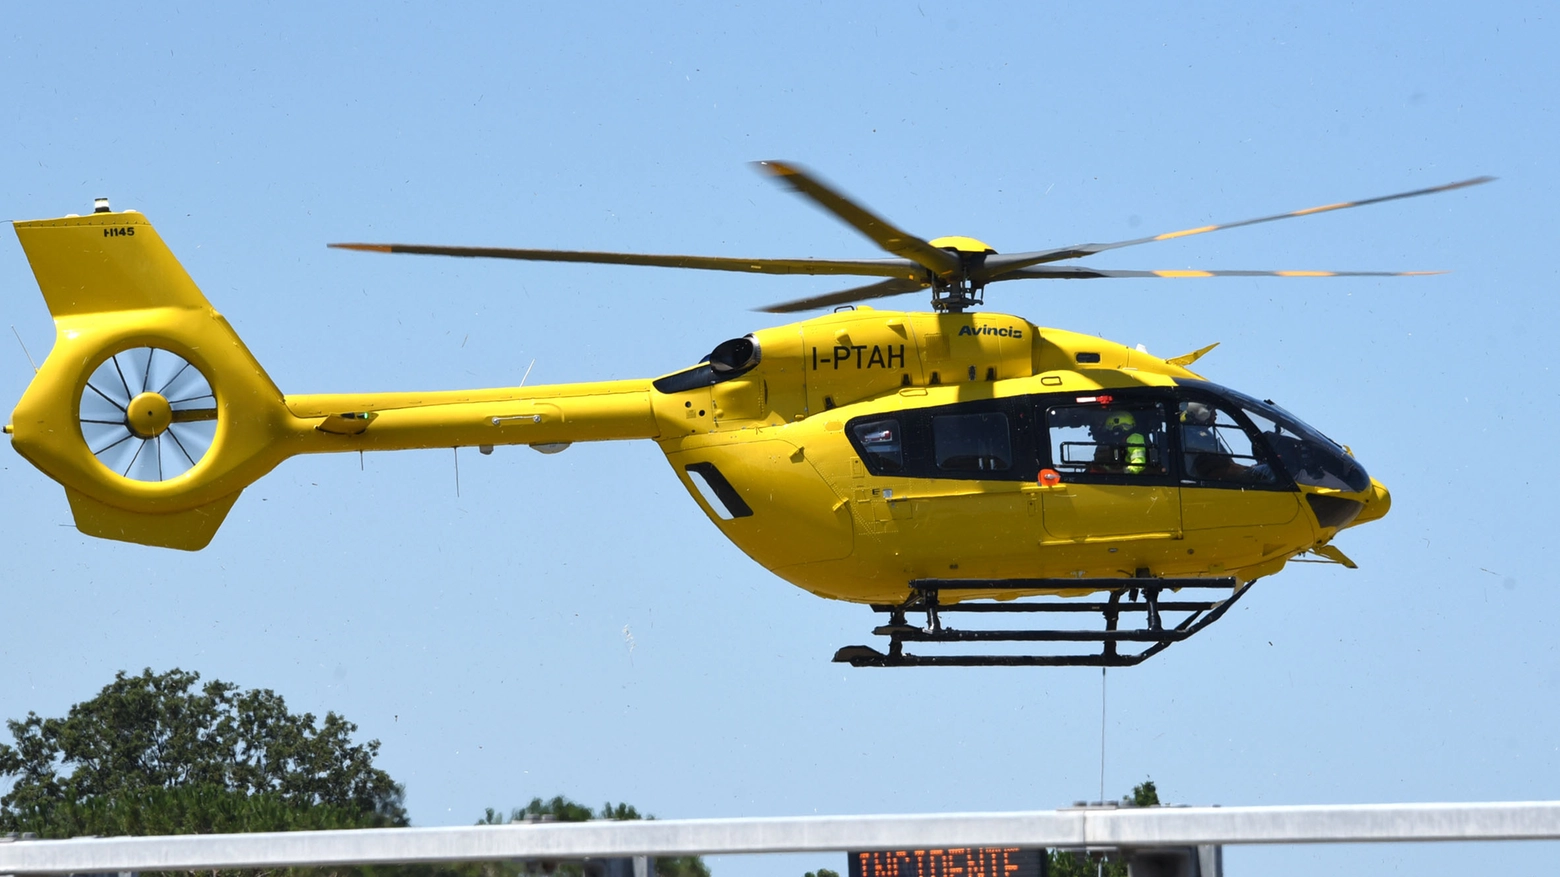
<point>883,288</point>
<point>900,268</point>
<point>998,265</point>
<point>1079,272</point>
<point>882,232</point>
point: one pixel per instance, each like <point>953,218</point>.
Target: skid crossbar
<point>927,596</point>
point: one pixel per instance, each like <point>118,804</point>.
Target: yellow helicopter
<point>937,462</point>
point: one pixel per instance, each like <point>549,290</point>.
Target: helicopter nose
<point>1377,502</point>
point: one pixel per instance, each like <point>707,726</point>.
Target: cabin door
<point>1112,461</point>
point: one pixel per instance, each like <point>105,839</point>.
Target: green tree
<point>822,872</point>
<point>561,809</point>
<point>184,810</point>
<point>157,753</point>
<point>1144,794</point>
<point>1069,864</point>
<point>682,866</point>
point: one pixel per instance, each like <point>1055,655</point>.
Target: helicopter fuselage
<point>851,454</point>
<point>856,452</point>
<point>866,449</point>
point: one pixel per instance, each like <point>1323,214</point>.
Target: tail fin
<point>149,409</point>
<point>105,262</point>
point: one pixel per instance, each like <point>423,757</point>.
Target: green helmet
<point>1120,422</point>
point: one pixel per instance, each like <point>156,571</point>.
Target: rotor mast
<point>966,287</point>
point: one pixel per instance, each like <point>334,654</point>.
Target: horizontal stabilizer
<point>1332,553</point>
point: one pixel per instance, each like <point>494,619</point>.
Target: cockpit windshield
<point>1311,457</point>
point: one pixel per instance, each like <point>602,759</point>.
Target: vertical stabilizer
<point>149,409</point>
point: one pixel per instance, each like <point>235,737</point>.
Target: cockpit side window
<point>1216,449</point>
<point>1108,438</point>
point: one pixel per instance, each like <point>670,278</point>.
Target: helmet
<point>1196,412</point>
<point>1120,422</point>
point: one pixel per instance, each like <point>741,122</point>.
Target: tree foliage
<point>158,753</point>
<point>1065,863</point>
<point>1144,794</point>
<point>561,809</point>
<point>181,810</point>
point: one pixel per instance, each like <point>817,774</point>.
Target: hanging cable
<point>1102,735</point>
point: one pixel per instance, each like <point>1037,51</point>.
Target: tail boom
<point>547,414</point>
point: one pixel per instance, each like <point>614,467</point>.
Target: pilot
<point>1205,458</point>
<point>1127,443</point>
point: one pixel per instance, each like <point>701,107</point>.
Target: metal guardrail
<point>1068,828</point>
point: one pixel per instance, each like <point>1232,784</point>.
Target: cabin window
<point>1103,436</point>
<point>984,440</point>
<point>881,443</point>
<point>972,442</point>
<point>1217,449</point>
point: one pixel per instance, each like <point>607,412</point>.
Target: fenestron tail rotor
<point>132,410</point>
<point>148,414</point>
<point>955,269</point>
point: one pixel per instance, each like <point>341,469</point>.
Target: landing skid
<point>1154,631</point>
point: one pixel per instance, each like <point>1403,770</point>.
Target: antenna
<point>29,355</point>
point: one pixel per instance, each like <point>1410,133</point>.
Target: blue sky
<point>573,623</point>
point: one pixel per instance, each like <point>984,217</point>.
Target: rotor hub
<point>148,415</point>
<point>955,298</point>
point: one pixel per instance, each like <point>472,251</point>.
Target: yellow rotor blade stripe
<point>1323,209</point>
<point>1181,234</point>
<point>1306,273</point>
<point>1185,273</point>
